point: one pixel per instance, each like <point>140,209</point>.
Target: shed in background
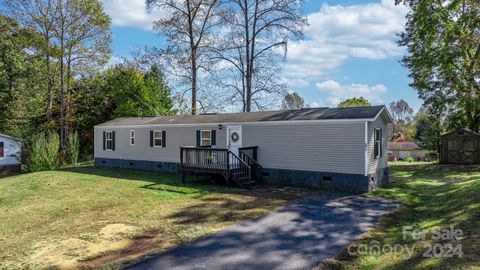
<point>460,147</point>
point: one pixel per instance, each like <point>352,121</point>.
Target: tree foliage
<point>428,132</point>
<point>354,102</point>
<point>74,38</point>
<point>293,101</point>
<point>443,41</point>
<point>120,91</point>
<point>22,85</point>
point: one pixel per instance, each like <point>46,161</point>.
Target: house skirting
<point>326,180</point>
<point>4,169</point>
<point>156,166</point>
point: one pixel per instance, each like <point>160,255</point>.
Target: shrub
<point>410,159</point>
<point>43,152</point>
<point>73,148</point>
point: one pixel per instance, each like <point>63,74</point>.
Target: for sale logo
<point>445,245</point>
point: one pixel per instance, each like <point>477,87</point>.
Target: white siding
<point>12,151</point>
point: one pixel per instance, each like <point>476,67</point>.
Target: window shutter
<point>198,138</point>
<point>2,151</point>
<point>375,144</point>
<point>214,137</point>
<point>113,140</point>
<point>151,138</point>
<point>164,138</point>
<point>104,141</point>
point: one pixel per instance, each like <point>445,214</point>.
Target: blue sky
<point>349,49</point>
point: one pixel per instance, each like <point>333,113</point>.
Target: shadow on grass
<point>434,196</point>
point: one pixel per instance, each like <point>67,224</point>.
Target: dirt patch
<point>113,242</point>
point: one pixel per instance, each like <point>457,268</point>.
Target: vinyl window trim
<point>155,138</point>
<point>378,142</point>
<point>109,138</point>
<point>209,138</point>
<point>132,137</point>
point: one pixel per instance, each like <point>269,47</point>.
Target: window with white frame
<point>109,140</point>
<point>132,137</point>
<point>206,138</point>
<point>157,138</point>
<point>378,140</point>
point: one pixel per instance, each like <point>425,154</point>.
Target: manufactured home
<point>10,152</point>
<point>337,148</point>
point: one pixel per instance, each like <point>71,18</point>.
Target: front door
<point>234,138</point>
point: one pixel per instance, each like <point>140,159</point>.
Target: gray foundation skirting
<point>326,180</point>
<point>156,166</point>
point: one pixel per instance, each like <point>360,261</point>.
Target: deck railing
<point>242,168</point>
<point>249,155</point>
<point>202,159</point>
<point>250,151</point>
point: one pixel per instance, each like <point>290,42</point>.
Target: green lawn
<point>433,195</point>
<point>91,217</point>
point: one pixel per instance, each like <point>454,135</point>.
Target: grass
<point>90,217</point>
<point>433,196</point>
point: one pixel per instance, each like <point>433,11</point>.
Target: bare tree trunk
<point>62,86</point>
<point>194,83</point>
<point>49,79</point>
<point>193,60</point>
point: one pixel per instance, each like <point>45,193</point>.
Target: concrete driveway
<point>298,236</point>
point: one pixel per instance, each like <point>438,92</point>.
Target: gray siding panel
<point>323,146</point>
<point>175,138</point>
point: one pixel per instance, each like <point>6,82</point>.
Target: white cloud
<point>337,33</point>
<point>335,92</point>
<point>131,13</point>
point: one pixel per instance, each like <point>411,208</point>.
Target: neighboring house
<point>10,151</point>
<point>342,148</point>
<point>404,150</point>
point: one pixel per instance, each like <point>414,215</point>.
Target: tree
<point>120,91</point>
<point>354,102</point>
<point>39,15</point>
<point>75,37</point>
<point>293,101</point>
<point>428,132</point>
<point>442,39</point>
<point>22,88</point>
<point>187,30</point>
<point>401,112</point>
<point>82,31</point>
<point>252,46</point>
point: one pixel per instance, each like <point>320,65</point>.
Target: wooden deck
<point>241,168</point>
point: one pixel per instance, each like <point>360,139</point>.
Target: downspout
<point>366,148</point>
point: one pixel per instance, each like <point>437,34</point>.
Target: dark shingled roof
<point>286,115</point>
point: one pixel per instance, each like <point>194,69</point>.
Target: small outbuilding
<point>10,152</point>
<point>460,147</point>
